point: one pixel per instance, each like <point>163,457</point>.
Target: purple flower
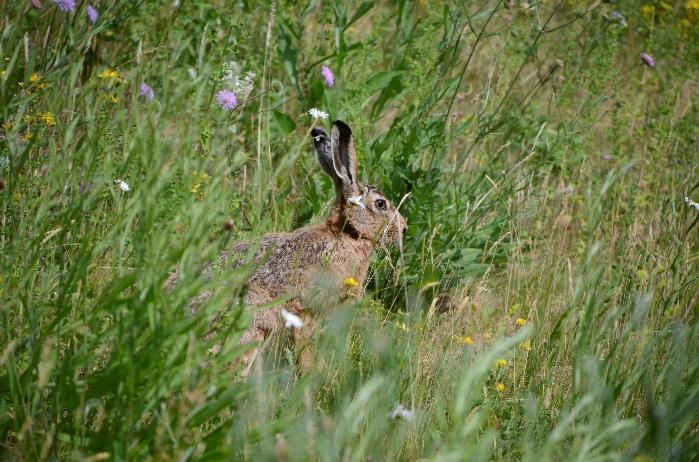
<point>607,156</point>
<point>648,59</point>
<point>146,91</point>
<point>327,75</point>
<point>91,13</point>
<point>226,99</point>
<point>65,5</point>
<point>618,17</point>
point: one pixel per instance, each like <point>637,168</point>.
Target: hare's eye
<point>380,204</point>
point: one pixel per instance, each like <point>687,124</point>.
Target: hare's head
<point>366,211</point>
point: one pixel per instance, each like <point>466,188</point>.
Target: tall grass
<point>546,305</point>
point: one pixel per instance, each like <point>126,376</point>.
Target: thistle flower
<point>327,75</point>
<point>91,13</point>
<point>123,185</point>
<point>226,99</point>
<point>146,91</point>
<point>318,114</point>
<point>647,59</point>
<point>65,5</point>
<point>291,320</point>
<point>400,412</point>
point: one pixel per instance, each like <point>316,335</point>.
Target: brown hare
<point>332,253</point>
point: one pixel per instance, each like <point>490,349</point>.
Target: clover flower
<point>318,114</point>
<point>327,75</point>
<point>65,5</point>
<point>291,320</point>
<point>91,13</point>
<point>146,91</point>
<point>123,185</point>
<point>647,59</point>
<point>226,99</point>
<point>400,412</point>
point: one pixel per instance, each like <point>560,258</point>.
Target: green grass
<point>547,168</point>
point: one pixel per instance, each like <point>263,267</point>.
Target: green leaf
<point>361,11</point>
<point>283,123</point>
<point>381,80</point>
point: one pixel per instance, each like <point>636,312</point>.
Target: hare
<point>336,250</point>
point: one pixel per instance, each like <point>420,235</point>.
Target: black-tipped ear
<point>343,153</point>
<point>321,145</point>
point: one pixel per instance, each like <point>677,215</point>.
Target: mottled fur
<point>318,256</point>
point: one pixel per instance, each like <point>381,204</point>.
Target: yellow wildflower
<point>501,362</point>
<point>200,180</point>
<point>34,78</point>
<point>648,10</point>
<point>642,275</point>
<point>692,5</point>
<point>500,387</point>
<point>27,118</point>
<point>488,335</point>
<point>113,98</point>
<point>402,326</point>
<point>350,282</point>
<point>110,74</point>
<point>7,125</point>
<point>520,322</point>
<point>17,196</point>
<point>526,345</point>
<point>27,136</point>
<point>465,340</point>
<point>47,118</point>
<point>42,85</point>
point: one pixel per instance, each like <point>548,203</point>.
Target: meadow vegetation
<point>544,306</point>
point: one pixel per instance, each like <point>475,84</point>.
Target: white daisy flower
<point>691,203</point>
<point>291,320</point>
<point>123,185</point>
<point>400,412</point>
<point>318,114</point>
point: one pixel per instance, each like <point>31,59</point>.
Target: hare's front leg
<point>302,339</point>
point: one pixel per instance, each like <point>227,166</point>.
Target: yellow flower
<point>42,85</point>
<point>47,118</point>
<point>501,362</point>
<point>200,180</point>
<point>692,5</point>
<point>465,340</point>
<point>526,345</point>
<point>350,282</point>
<point>402,326</point>
<point>17,196</point>
<point>500,387</point>
<point>642,275</point>
<point>27,118</point>
<point>34,78</point>
<point>113,98</point>
<point>648,10</point>
<point>488,335</point>
<point>27,136</point>
<point>110,74</point>
<point>520,322</point>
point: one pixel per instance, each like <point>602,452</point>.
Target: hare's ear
<point>344,156</point>
<point>321,145</point>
